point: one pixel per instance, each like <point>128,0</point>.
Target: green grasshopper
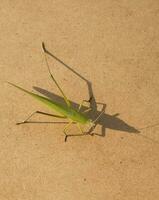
<point>66,111</point>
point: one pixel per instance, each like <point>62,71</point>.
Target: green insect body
<point>64,110</point>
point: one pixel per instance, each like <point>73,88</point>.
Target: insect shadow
<point>106,120</point>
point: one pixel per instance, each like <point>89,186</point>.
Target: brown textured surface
<point>113,44</point>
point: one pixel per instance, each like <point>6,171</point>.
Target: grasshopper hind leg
<point>38,112</point>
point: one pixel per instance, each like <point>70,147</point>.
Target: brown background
<point>115,45</point>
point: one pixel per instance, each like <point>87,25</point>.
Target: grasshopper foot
<point>19,123</point>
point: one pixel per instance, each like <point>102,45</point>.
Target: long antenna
<point>98,116</point>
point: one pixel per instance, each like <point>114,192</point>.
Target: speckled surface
<point>114,45</point>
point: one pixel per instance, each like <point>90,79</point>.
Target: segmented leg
<point>79,127</point>
<point>87,110</point>
<point>74,135</point>
<point>82,104</point>
<point>52,77</point>
<point>39,112</point>
<point>65,129</point>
